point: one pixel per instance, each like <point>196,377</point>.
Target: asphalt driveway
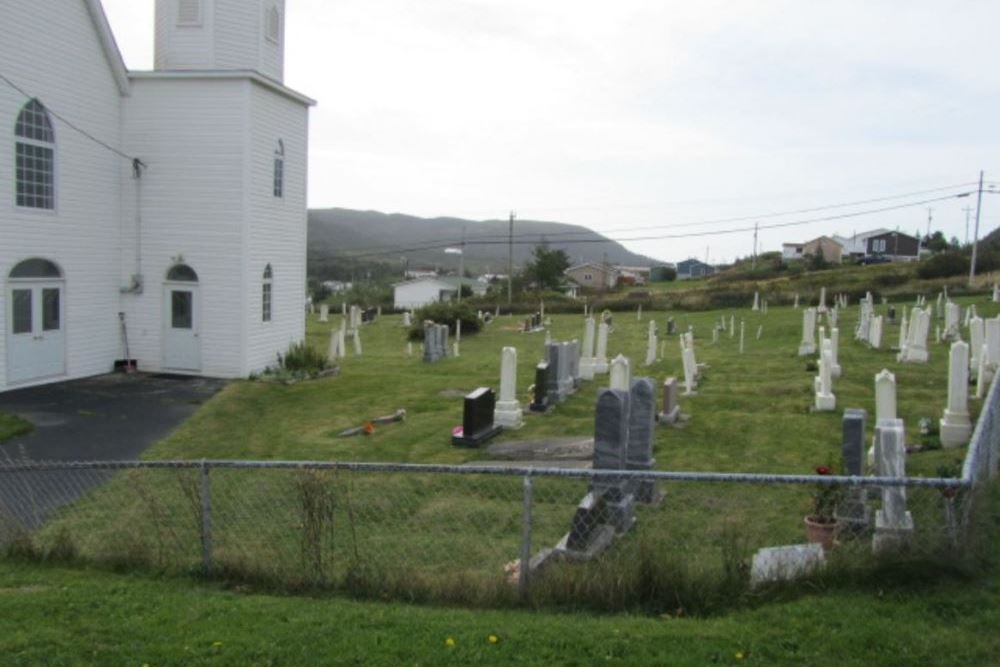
<point>112,417</point>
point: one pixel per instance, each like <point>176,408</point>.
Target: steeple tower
<point>221,35</point>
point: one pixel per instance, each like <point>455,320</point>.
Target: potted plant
<point>821,524</point>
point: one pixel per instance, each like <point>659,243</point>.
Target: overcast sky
<point>639,114</point>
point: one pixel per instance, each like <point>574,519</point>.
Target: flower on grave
<point>450,642</point>
<point>738,655</point>
<point>825,498</point>
<point>493,639</point>
<point>458,431</point>
<point>368,428</point>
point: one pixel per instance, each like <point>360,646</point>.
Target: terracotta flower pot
<point>821,532</point>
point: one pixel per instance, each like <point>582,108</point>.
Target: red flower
<point>823,470</point>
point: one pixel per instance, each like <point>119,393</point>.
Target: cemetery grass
<point>751,414</point>
<point>54,615</point>
<point>12,426</point>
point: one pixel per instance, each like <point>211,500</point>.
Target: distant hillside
<point>344,236</point>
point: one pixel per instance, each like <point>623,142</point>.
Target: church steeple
<point>221,35</point>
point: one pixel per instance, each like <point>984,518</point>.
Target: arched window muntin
<point>279,169</point>
<point>34,158</point>
<point>35,268</point>
<point>182,273</point>
<point>266,293</point>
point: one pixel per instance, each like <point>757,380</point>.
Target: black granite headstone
<point>477,419</point>
<point>540,399</point>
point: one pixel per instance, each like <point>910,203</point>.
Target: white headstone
<point>508,412</point>
<point>601,356</point>
<point>409,349</point>
<point>732,326</point>
<point>587,354</point>
<point>796,305</point>
<point>458,330</point>
<point>893,523</point>
<point>981,371</point>
<point>760,331</point>
<point>808,344</point>
<point>357,343</point>
<point>875,333</point>
<point>324,312</point>
<point>834,352</point>
<point>333,352</point>
<point>822,299</point>
<point>756,301</point>
<point>956,427</point>
<point>621,374</point>
<point>651,344</point>
<point>742,334</point>
<point>825,400</point>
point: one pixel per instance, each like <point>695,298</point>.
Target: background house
<point>423,291</point>
<point>791,251</point>
<point>896,246</point>
<point>856,245</point>
<point>831,251</point>
<point>595,276</point>
<point>693,268</point>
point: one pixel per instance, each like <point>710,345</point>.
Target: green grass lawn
<point>452,535</point>
<point>751,414</point>
<point>12,426</point>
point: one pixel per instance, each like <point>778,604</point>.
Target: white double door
<point>36,339</point>
<point>181,336</point>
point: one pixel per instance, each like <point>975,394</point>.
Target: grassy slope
<point>12,426</point>
<point>56,616</point>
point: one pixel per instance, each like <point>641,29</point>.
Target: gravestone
<point>785,563</point>
<point>553,351</point>
<point>893,523</point>
<point>641,432</point>
<point>508,413</point>
<point>853,512</point>
<point>956,427</point>
<point>671,406</point>
<point>477,419</point>
<point>825,399</point>
<point>671,326</point>
<point>324,312</point>
<point>601,356</point>
<point>573,361</point>
<point>808,344</point>
<point>566,385</point>
<point>611,427</point>
<point>977,336</point>
<point>540,400</point>
<point>587,355</point>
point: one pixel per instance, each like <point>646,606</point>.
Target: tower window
<point>189,12</point>
<point>266,294</point>
<point>272,25</point>
<point>34,158</point>
<point>279,169</point>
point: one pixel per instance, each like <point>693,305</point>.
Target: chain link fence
<point>480,535</point>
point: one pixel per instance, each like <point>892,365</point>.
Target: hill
<point>339,236</point>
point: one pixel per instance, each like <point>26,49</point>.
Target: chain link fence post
<point>206,520</point>
<point>524,572</point>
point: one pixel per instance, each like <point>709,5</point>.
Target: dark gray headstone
<point>565,377</point>
<point>540,399</point>
<point>671,407</point>
<point>552,353</point>
<point>853,448</point>
<point>477,418</point>
<point>611,441</point>
<point>641,425</point>
<point>853,512</point>
<point>671,326</point>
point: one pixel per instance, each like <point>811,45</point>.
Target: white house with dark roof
<point>168,206</point>
<point>419,292</point>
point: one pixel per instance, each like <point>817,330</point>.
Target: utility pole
<point>975,236</point>
<point>461,266</point>
<point>968,210</point>
<point>753,258</point>
<point>510,260</point>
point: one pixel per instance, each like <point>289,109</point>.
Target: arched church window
<point>34,164</point>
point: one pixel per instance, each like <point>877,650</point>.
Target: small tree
<point>547,267</point>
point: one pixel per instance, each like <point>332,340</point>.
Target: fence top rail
<point>577,473</point>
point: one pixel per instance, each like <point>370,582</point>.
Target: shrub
<point>303,357</point>
<point>943,265</point>
<point>445,313</point>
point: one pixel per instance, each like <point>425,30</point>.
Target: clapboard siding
<point>276,226</point>
<point>183,47</point>
<point>37,41</point>
<point>191,133</point>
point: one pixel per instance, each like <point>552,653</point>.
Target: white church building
<point>165,208</point>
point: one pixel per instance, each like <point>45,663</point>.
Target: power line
<point>135,161</point>
<point>717,232</point>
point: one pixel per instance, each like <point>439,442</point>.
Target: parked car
<point>876,259</point>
